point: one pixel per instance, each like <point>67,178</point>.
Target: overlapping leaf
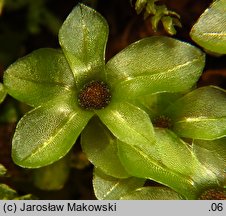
<point>173,164</point>
<point>100,146</point>
<point>128,123</point>
<point>200,114</point>
<point>110,188</point>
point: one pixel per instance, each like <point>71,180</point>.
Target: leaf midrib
<point>184,178</point>
<point>50,139</point>
<point>42,82</point>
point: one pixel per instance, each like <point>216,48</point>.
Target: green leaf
<point>47,133</point>
<point>128,123</point>
<point>140,5</point>
<point>168,22</point>
<point>2,170</point>
<point>155,64</point>
<point>7,193</point>
<point>110,188</point>
<point>152,193</point>
<point>83,37</point>
<point>212,154</point>
<point>210,29</point>
<point>174,165</point>
<point>161,10</point>
<point>100,146</point>
<point>200,114</point>
<point>39,77</point>
<point>52,177</point>
<point>175,154</point>
<point>155,104</point>
<point>2,93</point>
<point>178,156</point>
<point>141,162</point>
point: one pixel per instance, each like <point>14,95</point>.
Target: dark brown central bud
<point>162,122</point>
<point>213,194</point>
<point>94,95</point>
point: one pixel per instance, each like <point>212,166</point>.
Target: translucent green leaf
<point>2,170</point>
<point>100,146</point>
<point>7,193</point>
<point>110,188</point>
<point>156,64</point>
<point>174,165</point>
<point>47,133</point>
<point>39,77</point>
<point>53,176</point>
<point>2,92</point>
<point>128,123</point>
<point>152,193</point>
<point>210,29</point>
<point>212,154</point>
<point>200,114</point>
<point>83,37</point>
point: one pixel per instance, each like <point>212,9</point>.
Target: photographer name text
<point>69,207</point>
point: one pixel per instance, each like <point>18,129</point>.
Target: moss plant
<point>139,114</point>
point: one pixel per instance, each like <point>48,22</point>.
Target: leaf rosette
<point>69,86</point>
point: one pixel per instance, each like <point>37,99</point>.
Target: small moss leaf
<point>110,188</point>
<point>210,29</point>
<point>164,65</point>
<point>47,133</point>
<point>100,146</point>
<point>200,114</point>
<point>152,193</point>
<point>38,78</point>
<point>83,38</point>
